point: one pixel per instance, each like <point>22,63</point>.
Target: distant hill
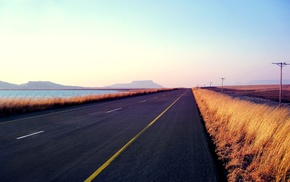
<point>6,85</point>
<point>45,85</point>
<point>137,84</point>
<point>36,85</point>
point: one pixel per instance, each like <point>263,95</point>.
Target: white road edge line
<point>114,110</point>
<point>31,134</point>
<point>142,101</point>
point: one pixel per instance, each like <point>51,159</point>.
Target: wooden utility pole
<point>223,84</point>
<point>281,65</point>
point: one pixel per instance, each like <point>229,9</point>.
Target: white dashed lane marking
<point>31,134</point>
<point>114,110</point>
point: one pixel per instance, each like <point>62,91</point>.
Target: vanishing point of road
<point>153,137</point>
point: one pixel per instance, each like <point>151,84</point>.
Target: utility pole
<point>281,65</point>
<point>223,84</point>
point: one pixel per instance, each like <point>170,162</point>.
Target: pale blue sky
<point>174,43</point>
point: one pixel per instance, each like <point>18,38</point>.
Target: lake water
<point>51,93</point>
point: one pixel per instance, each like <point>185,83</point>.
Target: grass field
<point>252,140</point>
<point>270,92</point>
<point>13,106</point>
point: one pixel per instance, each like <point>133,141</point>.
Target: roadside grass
<point>12,106</point>
<point>252,140</point>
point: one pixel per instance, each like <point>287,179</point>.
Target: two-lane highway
<point>154,137</point>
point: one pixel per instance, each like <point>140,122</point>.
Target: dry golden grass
<point>17,106</point>
<point>253,140</point>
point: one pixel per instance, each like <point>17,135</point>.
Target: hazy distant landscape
<point>50,85</point>
<point>42,95</point>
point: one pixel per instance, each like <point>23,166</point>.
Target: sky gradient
<point>175,43</point>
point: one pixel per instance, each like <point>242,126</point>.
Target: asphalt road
<point>72,144</point>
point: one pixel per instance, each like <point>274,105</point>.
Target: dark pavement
<point>71,144</point>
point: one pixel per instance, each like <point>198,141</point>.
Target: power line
<point>281,65</point>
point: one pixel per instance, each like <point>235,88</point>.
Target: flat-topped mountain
<point>137,84</point>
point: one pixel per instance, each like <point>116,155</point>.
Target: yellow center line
<point>108,162</point>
